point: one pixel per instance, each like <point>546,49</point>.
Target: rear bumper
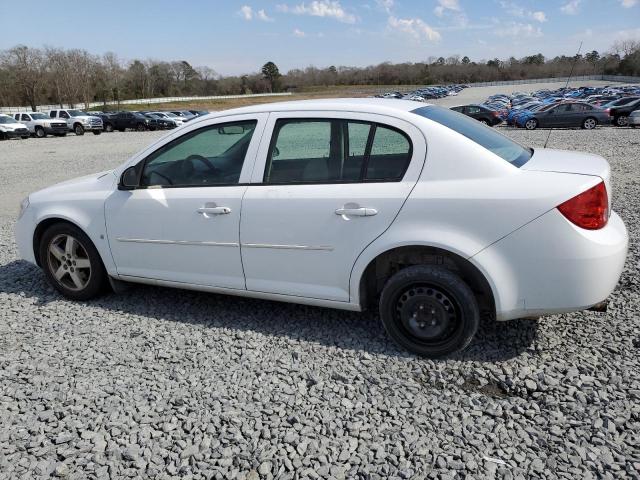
<point>552,266</point>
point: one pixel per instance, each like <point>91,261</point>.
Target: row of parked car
<point>426,93</point>
<point>584,107</point>
<point>59,122</point>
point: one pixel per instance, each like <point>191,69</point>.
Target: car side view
<point>568,115</point>
<point>415,210</point>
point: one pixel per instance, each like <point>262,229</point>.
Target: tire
<point>108,128</point>
<point>60,259</point>
<point>589,123</point>
<point>96,132</point>
<point>40,133</point>
<point>531,124</point>
<point>140,127</point>
<point>622,121</point>
<point>78,129</point>
<point>429,311</point>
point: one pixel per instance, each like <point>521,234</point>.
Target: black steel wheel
<point>429,310</point>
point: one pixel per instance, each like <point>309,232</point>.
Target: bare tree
<point>27,66</point>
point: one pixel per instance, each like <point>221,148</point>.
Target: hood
<point>93,182</point>
<point>12,125</point>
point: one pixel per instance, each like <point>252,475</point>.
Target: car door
<point>181,223</point>
<point>325,185</point>
<point>27,121</point>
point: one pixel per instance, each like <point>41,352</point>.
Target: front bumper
<point>551,266</point>
<point>17,133</point>
<point>24,230</point>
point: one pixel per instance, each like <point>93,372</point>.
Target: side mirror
<point>128,179</point>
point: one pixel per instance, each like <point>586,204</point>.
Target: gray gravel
<point>160,383</point>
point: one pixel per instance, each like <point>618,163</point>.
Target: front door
<point>324,187</point>
<point>182,223</point>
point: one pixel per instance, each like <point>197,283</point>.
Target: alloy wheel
<point>622,121</point>
<point>589,123</point>
<point>531,124</point>
<point>69,262</point>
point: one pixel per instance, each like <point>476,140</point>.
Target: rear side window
<point>484,136</point>
<point>334,151</point>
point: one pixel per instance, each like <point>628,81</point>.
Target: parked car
<point>10,128</point>
<point>78,121</point>
<point>40,125</point>
<point>339,203</point>
<point>480,113</point>
<point>568,115</point>
<point>106,120</point>
<point>634,119</point>
<point>127,120</point>
<point>620,114</point>
<point>198,113</point>
<point>160,122</point>
<point>179,121</point>
<point>184,114</point>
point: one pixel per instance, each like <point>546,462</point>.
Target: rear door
<point>324,186</point>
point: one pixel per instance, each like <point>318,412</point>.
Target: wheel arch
<point>388,262</point>
<point>42,227</point>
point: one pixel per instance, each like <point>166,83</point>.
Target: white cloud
<point>299,33</point>
<point>386,5</point>
<point>628,3</point>
<point>249,14</point>
<point>444,5</point>
<point>320,8</point>
<point>571,7</point>
<point>539,16</point>
<point>246,11</point>
<point>262,15</point>
<point>414,27</point>
<point>520,30</point>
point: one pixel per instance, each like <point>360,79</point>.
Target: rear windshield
<point>484,136</point>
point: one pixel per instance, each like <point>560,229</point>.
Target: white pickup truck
<point>78,121</point>
<point>40,125</point>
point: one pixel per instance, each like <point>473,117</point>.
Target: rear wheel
<point>71,262</point>
<point>531,124</point>
<point>78,129</point>
<point>622,121</point>
<point>589,123</point>
<point>40,133</point>
<point>429,310</point>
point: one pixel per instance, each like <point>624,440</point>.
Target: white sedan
<point>414,209</point>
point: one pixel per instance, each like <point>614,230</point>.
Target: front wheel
<point>140,127</point>
<point>108,128</point>
<point>589,123</point>
<point>78,130</point>
<point>531,124</point>
<point>622,121</point>
<point>40,133</point>
<point>71,262</point>
<point>429,310</point>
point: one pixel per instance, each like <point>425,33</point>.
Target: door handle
<point>214,211</point>
<point>356,212</point>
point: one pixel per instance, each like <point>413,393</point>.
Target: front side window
<point>475,131</point>
<point>25,118</point>
<point>334,151</point>
<point>210,156</point>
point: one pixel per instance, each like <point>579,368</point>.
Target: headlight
<point>24,204</point>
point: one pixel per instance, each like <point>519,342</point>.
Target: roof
<point>370,105</point>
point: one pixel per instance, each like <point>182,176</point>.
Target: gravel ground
<point>160,383</point>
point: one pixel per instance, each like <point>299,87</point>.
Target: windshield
<point>39,116</point>
<point>77,113</point>
<point>484,136</point>
<point>7,120</point>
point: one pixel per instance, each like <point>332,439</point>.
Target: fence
<point>145,101</point>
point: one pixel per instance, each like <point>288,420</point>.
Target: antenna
<point>575,60</point>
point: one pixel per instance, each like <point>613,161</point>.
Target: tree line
<point>37,76</point>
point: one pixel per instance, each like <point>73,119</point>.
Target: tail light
<point>495,114</point>
<point>608,110</point>
<point>589,209</point>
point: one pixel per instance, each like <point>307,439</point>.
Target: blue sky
<point>239,36</point>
